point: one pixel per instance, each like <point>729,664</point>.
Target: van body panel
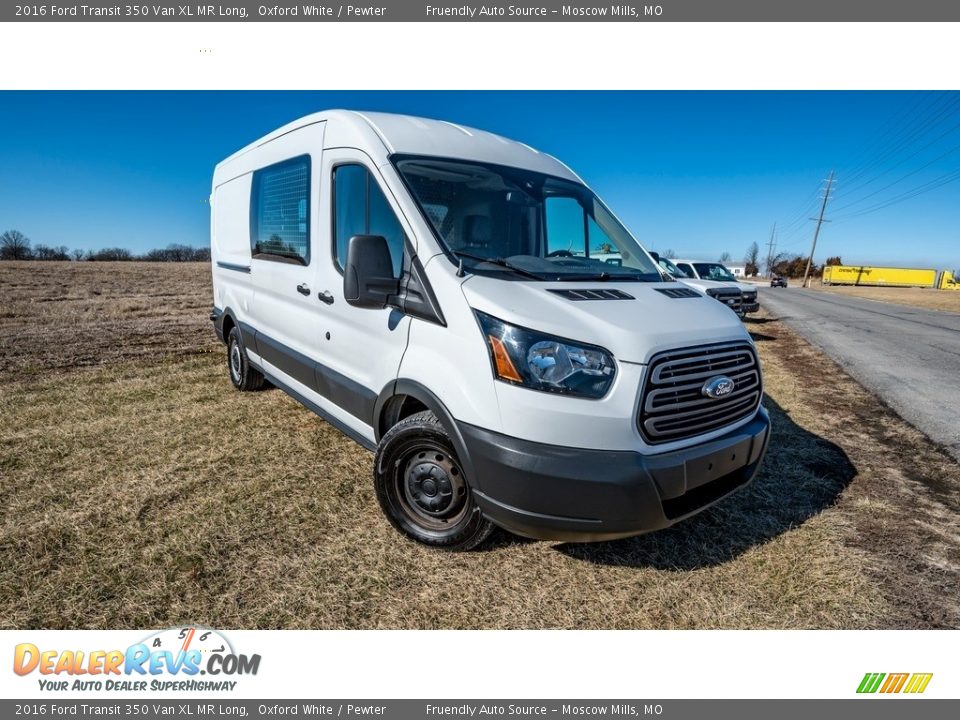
<point>452,360</point>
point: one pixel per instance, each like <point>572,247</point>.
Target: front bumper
<point>558,493</point>
<point>749,306</point>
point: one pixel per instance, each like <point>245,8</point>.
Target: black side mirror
<point>368,279</point>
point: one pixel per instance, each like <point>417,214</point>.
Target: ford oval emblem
<point>717,387</point>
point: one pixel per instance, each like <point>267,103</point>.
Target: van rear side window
<point>280,212</point>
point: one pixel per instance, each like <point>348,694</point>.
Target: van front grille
<point>674,405</point>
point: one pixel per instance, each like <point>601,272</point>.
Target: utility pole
<point>770,245</point>
<point>816,233</point>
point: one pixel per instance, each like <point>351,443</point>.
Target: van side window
<point>280,211</point>
<point>360,208</point>
<point>687,270</point>
<point>566,230</point>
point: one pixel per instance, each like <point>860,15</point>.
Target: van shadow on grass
<point>802,475</point>
<point>752,324</point>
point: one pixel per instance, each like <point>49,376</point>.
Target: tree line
<point>14,245</point>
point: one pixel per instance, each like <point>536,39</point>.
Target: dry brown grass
<point>65,315</point>
<point>946,300</point>
<point>140,490</point>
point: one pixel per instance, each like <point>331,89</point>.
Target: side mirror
<point>368,280</point>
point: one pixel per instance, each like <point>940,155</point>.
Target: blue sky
<point>700,173</point>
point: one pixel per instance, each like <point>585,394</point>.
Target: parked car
<point>719,273</point>
<point>778,281</point>
<point>432,291</point>
<point>730,296</point>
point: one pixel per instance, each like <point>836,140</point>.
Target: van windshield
<point>523,225</point>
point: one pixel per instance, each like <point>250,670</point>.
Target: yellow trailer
<point>885,276</point>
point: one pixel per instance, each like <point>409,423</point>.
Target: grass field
<point>140,490</point>
<point>946,300</point>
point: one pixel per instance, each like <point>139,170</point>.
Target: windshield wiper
<point>500,262</point>
<point>604,276</point>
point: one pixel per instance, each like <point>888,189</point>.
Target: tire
<point>422,489</point>
<point>244,377</point>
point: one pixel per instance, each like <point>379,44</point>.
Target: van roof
<point>391,134</point>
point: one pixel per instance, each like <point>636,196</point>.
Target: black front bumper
<point>749,306</point>
<point>558,493</point>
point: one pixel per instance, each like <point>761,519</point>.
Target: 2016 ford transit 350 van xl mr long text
<point>446,297</point>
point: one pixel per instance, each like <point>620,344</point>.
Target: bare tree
<point>14,245</point>
<point>669,254</point>
<point>725,258</point>
<point>752,260</point>
<point>111,254</point>
<point>44,252</point>
<point>78,254</point>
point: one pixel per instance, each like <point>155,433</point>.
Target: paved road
<point>908,356</point>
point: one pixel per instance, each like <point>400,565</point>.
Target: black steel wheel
<point>422,488</point>
<point>242,375</point>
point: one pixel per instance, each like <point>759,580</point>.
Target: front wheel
<point>422,489</point>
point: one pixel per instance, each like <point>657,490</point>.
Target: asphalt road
<point>908,356</point>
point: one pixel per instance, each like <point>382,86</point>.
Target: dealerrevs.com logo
<point>178,659</point>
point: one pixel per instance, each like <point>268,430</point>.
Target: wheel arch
<point>402,398</point>
<point>227,323</point>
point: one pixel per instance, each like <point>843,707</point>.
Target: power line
<point>952,150</point>
<point>926,187</point>
<point>926,118</point>
<point>903,160</point>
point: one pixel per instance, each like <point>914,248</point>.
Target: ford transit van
<point>444,297</point>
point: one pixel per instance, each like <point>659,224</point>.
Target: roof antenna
<point>460,272</point>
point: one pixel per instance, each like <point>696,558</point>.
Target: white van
<point>433,291</point>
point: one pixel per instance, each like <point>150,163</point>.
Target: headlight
<point>543,362</point>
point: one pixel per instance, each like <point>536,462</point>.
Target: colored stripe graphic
<point>918,682</point>
<point>870,682</point>
<point>894,683</point>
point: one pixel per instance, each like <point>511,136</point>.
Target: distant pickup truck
<point>696,270</point>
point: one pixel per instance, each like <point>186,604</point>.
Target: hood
<point>747,287</point>
<point>632,329</point>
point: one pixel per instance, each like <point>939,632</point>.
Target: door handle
<point>325,297</point>
<point>303,289</point>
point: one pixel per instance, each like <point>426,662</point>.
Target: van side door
<point>283,229</point>
<point>362,347</point>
